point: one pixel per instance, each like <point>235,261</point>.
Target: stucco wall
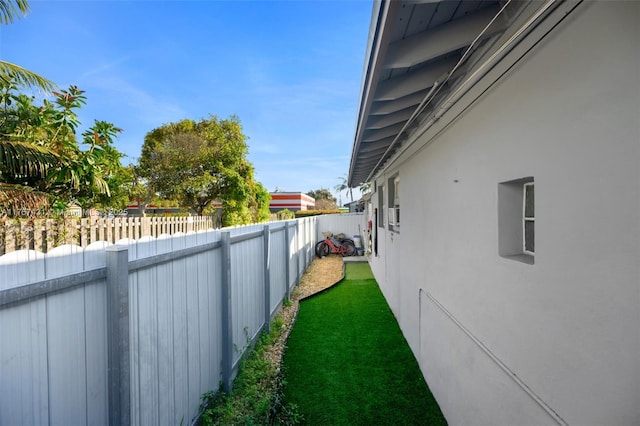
<point>501,341</point>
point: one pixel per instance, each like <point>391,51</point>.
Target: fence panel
<point>293,253</point>
<point>66,340</point>
<point>55,337</point>
<point>45,234</point>
<point>247,288</point>
<point>53,357</point>
<point>20,268</point>
<point>277,269</point>
<point>349,224</point>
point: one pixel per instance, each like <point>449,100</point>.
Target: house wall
<point>498,340</point>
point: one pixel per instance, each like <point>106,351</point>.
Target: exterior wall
<point>505,342</point>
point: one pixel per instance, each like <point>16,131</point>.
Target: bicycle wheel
<point>321,249</point>
<point>350,248</point>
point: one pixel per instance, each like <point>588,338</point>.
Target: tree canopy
<point>201,162</point>
<point>324,199</point>
<point>38,145</point>
<point>39,149</point>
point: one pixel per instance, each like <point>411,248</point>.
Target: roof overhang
<point>418,53</point>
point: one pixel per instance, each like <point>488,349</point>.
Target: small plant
<point>256,397</point>
<point>285,214</point>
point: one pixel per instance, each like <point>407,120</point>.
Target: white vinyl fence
<point>136,332</point>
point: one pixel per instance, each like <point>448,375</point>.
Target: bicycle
<point>334,245</point>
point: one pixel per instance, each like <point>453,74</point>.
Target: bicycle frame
<point>332,245</point>
<point>338,248</point>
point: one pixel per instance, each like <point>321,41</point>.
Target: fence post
<point>227,320</point>
<point>267,278</point>
<point>302,249</point>
<point>287,251</point>
<point>119,370</point>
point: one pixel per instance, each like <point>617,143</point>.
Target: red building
<point>293,201</point>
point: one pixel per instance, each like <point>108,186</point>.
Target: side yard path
<point>256,397</point>
<point>347,362</point>
<point>321,274</point>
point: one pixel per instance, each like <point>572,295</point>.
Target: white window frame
<point>396,202</point>
<point>511,223</point>
<point>526,219</point>
<point>392,218</point>
<point>381,207</point>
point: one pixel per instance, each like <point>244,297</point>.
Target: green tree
<point>18,156</point>
<point>200,162</point>
<point>321,194</point>
<point>324,199</point>
<point>63,170</point>
<point>38,147</point>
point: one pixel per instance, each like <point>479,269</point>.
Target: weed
<point>256,397</point>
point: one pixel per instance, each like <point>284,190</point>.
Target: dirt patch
<point>321,274</point>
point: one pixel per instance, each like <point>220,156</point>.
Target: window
<point>394,204</point>
<point>381,206</point>
<point>516,220</point>
<point>528,219</point>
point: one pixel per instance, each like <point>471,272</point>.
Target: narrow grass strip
<point>347,362</point>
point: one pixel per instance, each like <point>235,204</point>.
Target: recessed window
<point>381,206</point>
<point>394,204</point>
<point>516,220</point>
<point>528,219</point>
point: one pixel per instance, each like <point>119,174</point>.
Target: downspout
<point>478,74</point>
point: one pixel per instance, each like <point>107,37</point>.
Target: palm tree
<point>9,10</point>
<point>365,187</point>
<point>21,157</point>
<point>12,73</point>
<point>343,185</point>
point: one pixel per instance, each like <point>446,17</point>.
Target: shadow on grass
<point>347,362</point>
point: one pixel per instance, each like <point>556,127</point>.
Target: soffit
<point>411,46</point>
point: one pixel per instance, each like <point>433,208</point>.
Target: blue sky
<point>290,70</point>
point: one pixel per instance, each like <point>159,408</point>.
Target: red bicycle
<point>334,245</point>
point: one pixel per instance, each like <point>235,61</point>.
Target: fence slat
<point>45,234</point>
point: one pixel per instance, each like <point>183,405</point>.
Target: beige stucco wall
<point>501,341</point>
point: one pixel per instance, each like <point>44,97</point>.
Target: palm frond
<point>23,77</point>
<point>9,9</point>
<point>23,158</point>
<point>18,200</point>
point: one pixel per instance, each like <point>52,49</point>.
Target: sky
<point>290,70</point>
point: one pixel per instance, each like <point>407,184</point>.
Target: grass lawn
<point>347,362</point>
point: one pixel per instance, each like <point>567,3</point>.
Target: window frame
<point>512,228</point>
<point>381,206</point>
<point>528,219</point>
<point>394,203</point>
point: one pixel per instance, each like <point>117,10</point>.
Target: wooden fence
<point>44,234</point>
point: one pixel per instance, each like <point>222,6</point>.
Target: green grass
<point>347,362</point>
